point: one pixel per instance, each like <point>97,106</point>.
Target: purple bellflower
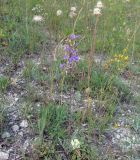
<point>74,36</point>
<point>71,54</point>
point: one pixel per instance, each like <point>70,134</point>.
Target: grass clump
<point>53,119</point>
<point>4,83</point>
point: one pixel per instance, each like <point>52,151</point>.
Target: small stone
<point>16,99</point>
<point>4,156</point>
<point>122,123</point>
<point>134,139</point>
<point>10,123</point>
<point>15,128</point>
<point>21,134</point>
<point>38,105</point>
<point>84,125</point>
<point>25,145</point>
<point>6,135</point>
<point>24,124</point>
<point>118,136</point>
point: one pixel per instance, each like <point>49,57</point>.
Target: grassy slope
<point>19,36</point>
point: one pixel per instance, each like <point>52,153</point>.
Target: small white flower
<point>114,29</point>
<point>97,11</point>
<point>72,14</point>
<point>37,18</point>
<point>33,9</point>
<point>73,9</point>
<point>99,4</point>
<point>59,12</point>
<point>75,143</point>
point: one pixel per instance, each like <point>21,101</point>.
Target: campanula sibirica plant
<point>71,56</point>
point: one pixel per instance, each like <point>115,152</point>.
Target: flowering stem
<point>26,20</point>
<point>78,17</point>
<point>62,84</point>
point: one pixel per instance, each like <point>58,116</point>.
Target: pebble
<point>4,156</point>
<point>118,136</point>
<point>38,105</point>
<point>15,128</point>
<point>25,145</point>
<point>16,99</point>
<point>21,134</point>
<point>6,135</point>
<point>24,124</point>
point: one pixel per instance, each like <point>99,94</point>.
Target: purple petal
<point>70,60</point>
<point>66,56</point>
<point>67,48</point>
<point>62,65</point>
<point>73,51</point>
<point>76,58</point>
<point>73,59</point>
<point>73,36</point>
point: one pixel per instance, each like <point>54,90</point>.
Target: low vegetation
<point>72,63</point>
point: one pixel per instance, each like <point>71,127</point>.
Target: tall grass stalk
<point>92,52</point>
<point>77,18</point>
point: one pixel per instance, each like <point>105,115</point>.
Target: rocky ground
<point>17,136</point>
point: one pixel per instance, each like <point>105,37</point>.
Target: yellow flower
<point>126,58</point>
<point>106,66</point>
<point>121,56</point>
<point>125,50</point>
<point>116,125</point>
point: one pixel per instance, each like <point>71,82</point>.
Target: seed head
<point>97,11</point>
<point>73,9</point>
<point>99,4</point>
<point>72,14</point>
<point>59,12</point>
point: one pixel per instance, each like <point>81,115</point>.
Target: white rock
<point>15,128</point>
<point>16,99</point>
<point>38,105</point>
<point>118,136</point>
<point>6,135</point>
<point>25,145</point>
<point>21,134</point>
<point>24,124</point>
<point>4,156</point>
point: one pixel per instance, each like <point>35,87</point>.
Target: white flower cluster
<point>97,9</point>
<point>39,13</point>
<point>72,13</point>
<point>37,18</point>
<point>59,12</point>
<point>38,8</point>
<point>75,144</point>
